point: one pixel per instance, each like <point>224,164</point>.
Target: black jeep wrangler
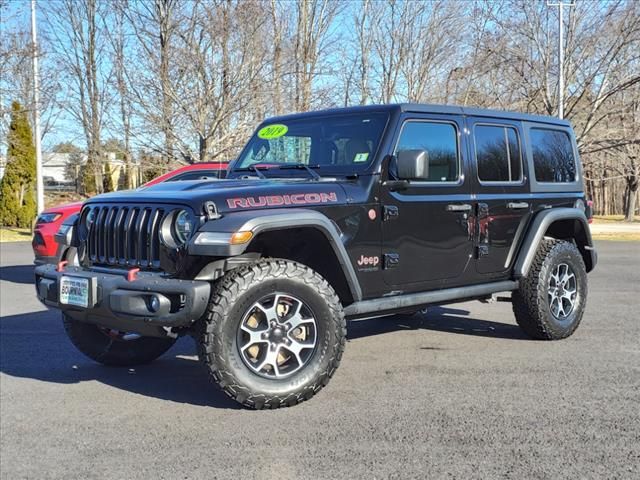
<point>326,216</point>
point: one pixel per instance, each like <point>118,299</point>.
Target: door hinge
<point>390,212</point>
<point>391,260</point>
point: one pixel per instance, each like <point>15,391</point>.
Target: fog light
<point>154,304</point>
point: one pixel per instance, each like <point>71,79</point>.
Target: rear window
<point>497,153</point>
<point>553,159</point>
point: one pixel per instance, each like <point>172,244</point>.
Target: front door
<point>500,182</point>
<point>428,227</point>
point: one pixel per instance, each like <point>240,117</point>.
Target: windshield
<point>336,143</point>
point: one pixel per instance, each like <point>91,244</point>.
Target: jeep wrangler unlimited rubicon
<point>326,216</point>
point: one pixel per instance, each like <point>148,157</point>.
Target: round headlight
<point>87,218</point>
<point>182,227</point>
<point>91,215</point>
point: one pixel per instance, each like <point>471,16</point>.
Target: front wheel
<point>273,334</point>
<point>113,347</point>
<point>551,299</point>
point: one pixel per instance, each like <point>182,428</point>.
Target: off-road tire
<point>231,298</point>
<point>531,301</point>
<point>102,348</point>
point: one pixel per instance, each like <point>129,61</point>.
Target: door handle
<point>517,205</point>
<point>459,207</point>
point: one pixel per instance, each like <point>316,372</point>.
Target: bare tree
<point>314,19</point>
<point>117,33</point>
<point>16,74</point>
<point>187,80</point>
<point>151,85</point>
<point>79,46</point>
<point>364,18</point>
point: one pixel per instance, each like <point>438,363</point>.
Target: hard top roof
<point>429,108</point>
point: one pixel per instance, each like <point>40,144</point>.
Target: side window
<point>553,159</point>
<point>497,153</point>
<point>440,141</point>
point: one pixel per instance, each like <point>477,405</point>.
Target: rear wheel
<point>273,334</point>
<point>114,347</point>
<point>551,299</point>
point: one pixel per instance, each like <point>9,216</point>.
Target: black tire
<point>531,302</point>
<point>97,344</point>
<point>231,301</point>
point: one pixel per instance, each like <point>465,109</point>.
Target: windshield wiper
<point>302,166</point>
<point>252,168</point>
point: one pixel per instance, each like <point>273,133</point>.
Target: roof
<point>430,108</point>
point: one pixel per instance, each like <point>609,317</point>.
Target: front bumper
<point>117,303</point>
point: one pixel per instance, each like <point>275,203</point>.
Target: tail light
<point>589,211</point>
<point>587,208</point>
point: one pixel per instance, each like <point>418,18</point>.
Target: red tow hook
<point>61,265</point>
<point>132,274</point>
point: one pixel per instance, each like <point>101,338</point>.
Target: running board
<point>403,302</point>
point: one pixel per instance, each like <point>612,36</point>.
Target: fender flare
<point>537,230</point>
<point>258,222</point>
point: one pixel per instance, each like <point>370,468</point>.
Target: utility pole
<point>36,116</point>
<point>561,4</point>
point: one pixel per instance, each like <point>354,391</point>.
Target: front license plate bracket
<point>77,291</point>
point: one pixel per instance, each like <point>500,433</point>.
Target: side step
<point>399,303</point>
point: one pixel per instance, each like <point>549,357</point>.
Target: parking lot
<point>458,392</point>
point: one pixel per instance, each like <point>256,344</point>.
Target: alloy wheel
<point>563,291</point>
<point>277,336</point>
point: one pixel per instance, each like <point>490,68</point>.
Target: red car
<point>49,221</point>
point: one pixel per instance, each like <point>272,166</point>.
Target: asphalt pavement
<point>458,392</point>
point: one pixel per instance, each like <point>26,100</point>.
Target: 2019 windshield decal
<point>280,200</point>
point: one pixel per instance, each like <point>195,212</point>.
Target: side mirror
<point>413,164</point>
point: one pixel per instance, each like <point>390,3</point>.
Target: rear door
<point>501,191</point>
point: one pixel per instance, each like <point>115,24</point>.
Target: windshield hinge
<point>211,211</point>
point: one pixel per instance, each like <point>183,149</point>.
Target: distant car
<point>49,221</point>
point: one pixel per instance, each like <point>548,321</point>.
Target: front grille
<point>123,235</point>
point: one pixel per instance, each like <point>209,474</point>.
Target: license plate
<point>74,291</point>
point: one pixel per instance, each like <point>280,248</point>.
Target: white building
<point>54,168</point>
<point>54,165</point>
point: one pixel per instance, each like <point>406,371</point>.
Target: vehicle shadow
<point>17,274</point>
<point>439,319</point>
<point>35,346</point>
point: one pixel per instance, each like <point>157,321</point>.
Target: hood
<point>64,207</point>
<point>234,194</point>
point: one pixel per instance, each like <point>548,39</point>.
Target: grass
<point>11,234</point>
<point>611,219</point>
<point>617,237</point>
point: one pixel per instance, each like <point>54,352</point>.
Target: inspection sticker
<point>361,157</point>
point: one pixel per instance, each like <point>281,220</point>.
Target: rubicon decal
<point>279,200</point>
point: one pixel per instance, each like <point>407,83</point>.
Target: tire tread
<point>233,285</point>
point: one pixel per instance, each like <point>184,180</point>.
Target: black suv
<point>326,216</point>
